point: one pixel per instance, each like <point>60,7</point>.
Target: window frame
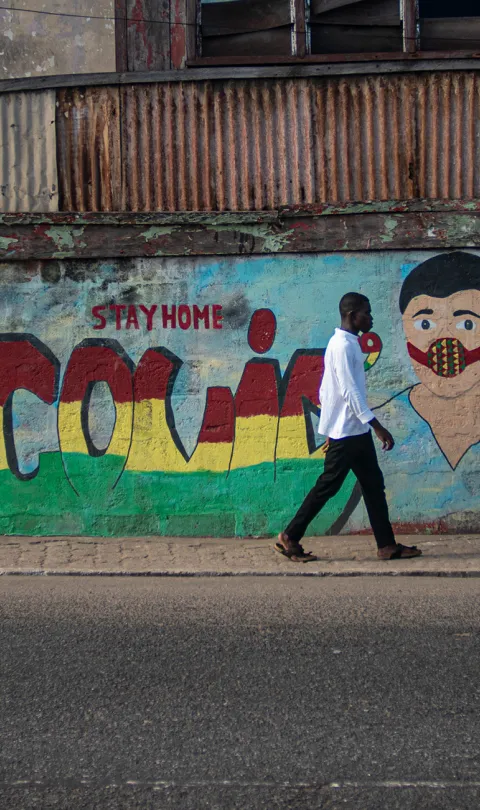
<point>409,15</point>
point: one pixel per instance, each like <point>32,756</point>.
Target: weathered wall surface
<point>40,44</point>
<point>179,396</point>
<point>28,168</point>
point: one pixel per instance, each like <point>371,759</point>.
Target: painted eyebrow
<point>465,312</point>
<point>427,312</point>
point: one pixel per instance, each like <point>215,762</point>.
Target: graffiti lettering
<point>268,418</point>
<point>25,362</point>
<point>128,316</point>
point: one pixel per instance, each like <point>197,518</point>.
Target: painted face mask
<point>446,357</point>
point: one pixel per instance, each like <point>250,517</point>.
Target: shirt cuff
<point>366,417</point>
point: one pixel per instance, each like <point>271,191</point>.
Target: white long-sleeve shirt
<point>343,392</point>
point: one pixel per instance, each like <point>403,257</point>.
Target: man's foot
<point>294,551</point>
<point>398,552</point>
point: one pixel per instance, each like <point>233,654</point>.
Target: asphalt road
<point>234,694</point>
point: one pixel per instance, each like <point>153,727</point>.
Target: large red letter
<point>25,362</point>
<point>95,361</point>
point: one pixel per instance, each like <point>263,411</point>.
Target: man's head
<point>440,305</point>
<point>355,312</point>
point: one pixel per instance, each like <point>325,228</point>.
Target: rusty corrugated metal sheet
<point>28,165</point>
<point>448,135</point>
<point>262,144</point>
<point>89,153</point>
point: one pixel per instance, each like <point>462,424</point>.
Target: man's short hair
<point>351,302</point>
<point>441,276</point>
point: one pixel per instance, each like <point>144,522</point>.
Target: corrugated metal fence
<point>261,144</point>
<point>28,165</point>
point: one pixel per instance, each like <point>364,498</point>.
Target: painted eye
<point>424,325</point>
<point>467,324</point>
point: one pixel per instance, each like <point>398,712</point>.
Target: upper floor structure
<point>138,35</point>
<point>245,105</point>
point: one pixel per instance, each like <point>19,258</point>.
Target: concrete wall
<point>179,396</point>
<point>37,44</point>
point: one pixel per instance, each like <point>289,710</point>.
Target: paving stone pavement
<point>457,555</point>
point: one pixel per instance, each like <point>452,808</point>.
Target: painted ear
<point>371,345</point>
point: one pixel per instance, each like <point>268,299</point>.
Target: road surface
<point>239,693</point>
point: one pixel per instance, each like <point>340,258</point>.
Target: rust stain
<point>88,148</point>
<point>266,144</point>
<point>177,34</point>
<point>137,21</point>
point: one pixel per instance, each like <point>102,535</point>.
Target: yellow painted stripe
<point>292,439</point>
<point>255,438</point>
<point>120,441</point>
<point>3,454</point>
<point>211,456</point>
<point>70,428</point>
<point>71,434</point>
<point>152,445</point>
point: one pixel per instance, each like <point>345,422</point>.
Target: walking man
<point>346,421</point>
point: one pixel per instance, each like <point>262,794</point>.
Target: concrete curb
<point>37,572</point>
<point>348,556</point>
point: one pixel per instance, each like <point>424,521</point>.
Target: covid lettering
<point>266,420</point>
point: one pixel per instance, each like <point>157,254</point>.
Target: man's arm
<point>355,399</point>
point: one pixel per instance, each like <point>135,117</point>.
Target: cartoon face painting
<point>440,305</point>
<point>443,340</point>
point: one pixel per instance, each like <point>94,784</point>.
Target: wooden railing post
<point>411,40</point>
<point>299,32</point>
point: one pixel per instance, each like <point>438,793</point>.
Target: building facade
<point>174,240</point>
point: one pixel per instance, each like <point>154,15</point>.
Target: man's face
<point>455,323</point>
<point>362,318</point>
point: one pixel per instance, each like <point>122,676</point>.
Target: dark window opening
<point>447,8</point>
<point>449,26</point>
<point>267,30</point>
<point>355,26</point>
<point>246,28</point>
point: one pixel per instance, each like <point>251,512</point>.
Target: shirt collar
<point>347,335</point>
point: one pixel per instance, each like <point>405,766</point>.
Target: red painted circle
<point>370,342</point>
<point>262,329</point>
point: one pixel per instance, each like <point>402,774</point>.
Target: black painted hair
<point>441,276</point>
<point>350,302</point>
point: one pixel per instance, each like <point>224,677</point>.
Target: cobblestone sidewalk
<point>457,555</point>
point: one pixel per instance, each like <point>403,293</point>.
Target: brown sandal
<point>293,551</point>
<point>400,552</point>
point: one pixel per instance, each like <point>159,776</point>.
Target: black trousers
<point>356,453</point>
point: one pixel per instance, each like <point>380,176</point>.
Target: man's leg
<point>337,466</point>
<point>366,468</point>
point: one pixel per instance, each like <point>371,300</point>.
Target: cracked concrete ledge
<point>346,556</point>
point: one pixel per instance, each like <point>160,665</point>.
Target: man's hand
<point>385,437</point>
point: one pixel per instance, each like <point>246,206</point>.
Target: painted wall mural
<point>180,396</point>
